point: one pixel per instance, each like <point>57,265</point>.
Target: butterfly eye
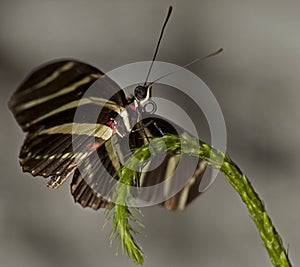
<point>140,92</point>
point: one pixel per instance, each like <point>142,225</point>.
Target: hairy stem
<point>216,159</point>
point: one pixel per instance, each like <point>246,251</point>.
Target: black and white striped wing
<point>179,185</point>
<point>44,105</point>
<point>93,181</point>
<point>180,174</point>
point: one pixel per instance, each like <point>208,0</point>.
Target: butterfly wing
<point>85,195</point>
<point>93,181</point>
<point>173,179</point>
<point>178,175</point>
<point>44,106</point>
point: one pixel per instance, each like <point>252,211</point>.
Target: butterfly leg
<point>158,128</point>
<point>142,128</point>
<point>146,125</point>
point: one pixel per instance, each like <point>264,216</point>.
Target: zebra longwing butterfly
<point>44,106</point>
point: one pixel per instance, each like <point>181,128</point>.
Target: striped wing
<point>92,182</point>
<point>45,104</point>
<point>181,174</point>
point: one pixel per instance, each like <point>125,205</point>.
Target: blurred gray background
<point>256,81</point>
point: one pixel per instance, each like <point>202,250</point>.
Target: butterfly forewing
<point>45,105</point>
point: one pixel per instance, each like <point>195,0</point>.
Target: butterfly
<point>59,146</point>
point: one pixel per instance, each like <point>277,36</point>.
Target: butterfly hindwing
<point>84,195</point>
<point>97,175</point>
<point>45,104</point>
<point>98,179</point>
<point>180,174</point>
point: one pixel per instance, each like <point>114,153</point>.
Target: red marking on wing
<point>95,145</point>
<point>110,124</point>
<point>92,145</point>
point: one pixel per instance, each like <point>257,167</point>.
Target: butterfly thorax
<point>125,121</point>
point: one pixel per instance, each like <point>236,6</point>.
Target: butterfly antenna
<point>158,43</point>
<point>189,64</point>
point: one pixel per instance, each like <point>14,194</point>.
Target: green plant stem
<point>122,217</point>
<point>216,159</point>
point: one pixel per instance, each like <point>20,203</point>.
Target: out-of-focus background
<point>255,80</point>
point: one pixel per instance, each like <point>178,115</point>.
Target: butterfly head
<point>142,93</point>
